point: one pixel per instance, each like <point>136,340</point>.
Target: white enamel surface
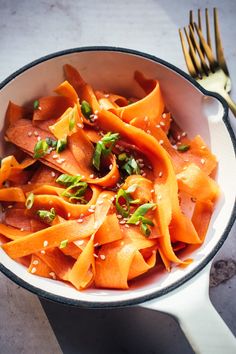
<point>114,72</point>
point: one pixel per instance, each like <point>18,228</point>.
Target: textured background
<point>31,29</point>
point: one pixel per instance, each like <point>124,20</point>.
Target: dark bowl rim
<point>155,294</point>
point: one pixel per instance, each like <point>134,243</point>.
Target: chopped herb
<point>138,216</point>
<point>63,244</point>
<point>104,147</point>
<point>47,216</point>
<point>51,142</point>
<point>40,149</point>
<point>131,167</point>
<point>61,145</point>
<point>68,180</point>
<point>29,201</point>
<point>73,182</point>
<point>86,109</point>
<point>124,209</point>
<point>71,122</point>
<point>183,148</point>
<point>36,104</point>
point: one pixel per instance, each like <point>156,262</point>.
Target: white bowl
<point>196,110</point>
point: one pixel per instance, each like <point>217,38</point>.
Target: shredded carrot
<point>106,187</point>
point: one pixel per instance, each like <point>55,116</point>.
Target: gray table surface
<point>31,29</point>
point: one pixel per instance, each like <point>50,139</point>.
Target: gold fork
<point>211,73</point>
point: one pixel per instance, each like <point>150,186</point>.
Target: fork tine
<point>191,17</point>
<point>188,60</point>
<point>193,55</point>
<point>219,48</point>
<point>206,48</point>
<point>203,62</point>
<point>199,19</point>
<point>208,29</point>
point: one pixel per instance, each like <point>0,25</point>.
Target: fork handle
<point>228,99</point>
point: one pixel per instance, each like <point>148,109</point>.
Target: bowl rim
<point>155,294</point>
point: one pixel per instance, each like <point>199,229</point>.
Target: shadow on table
<point>127,330</point>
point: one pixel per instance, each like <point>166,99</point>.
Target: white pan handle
<point>190,304</point>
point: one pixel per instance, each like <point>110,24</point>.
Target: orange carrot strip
<point>39,267</point>
<point>109,231</point>
<point>67,90</point>
<point>58,262</point>
<point>15,112</point>
<point>18,135</point>
<point>140,266</point>
<point>194,181</point>
<point>11,232</point>
<point>18,218</point>
<point>50,237</point>
<point>83,270</point>
<point>201,217</point>
<point>12,194</point>
<point>51,107</point>
<point>10,166</point>
<point>110,179</point>
<point>143,190</point>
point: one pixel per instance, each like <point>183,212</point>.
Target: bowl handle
<point>202,325</point>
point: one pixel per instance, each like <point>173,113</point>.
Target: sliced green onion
<point>61,145</point>
<point>138,216</point>
<point>86,109</point>
<point>40,149</point>
<point>29,201</point>
<point>68,180</point>
<point>71,123</point>
<point>63,244</point>
<point>131,167</point>
<point>183,148</point>
<point>51,142</point>
<point>47,216</point>
<point>123,210</point>
<point>36,104</point>
<point>132,188</point>
<point>104,147</point>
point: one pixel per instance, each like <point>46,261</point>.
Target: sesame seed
<point>96,112</point>
<point>100,202</point>
<point>33,270</point>
<point>96,244</point>
<point>126,225</point>
<point>160,174</point>
<point>149,131</point>
<point>30,133</point>
<point>137,223</point>
<point>42,251</point>
<point>29,182</point>
<point>95,255</point>
<point>161,142</point>
<point>152,191</point>
<point>102,256</point>
<point>141,171</point>
<point>184,134</point>
<point>145,119</point>
<point>80,125</point>
<point>95,117</point>
<point>93,206</point>
<point>113,177</point>
<point>40,108</point>
<point>178,137</point>
<point>60,160</point>
<point>68,215</point>
<point>91,176</point>
<point>80,242</point>
<point>36,133</point>
<point>140,160</point>
<point>203,161</point>
<point>45,243</point>
<point>164,115</point>
<point>159,197</point>
<point>158,126</point>
<point>35,262</point>
<point>141,165</point>
<point>39,138</point>
<point>22,229</point>
<point>80,220</point>
<point>10,206</point>
<point>53,174</point>
<point>106,95</point>
<point>144,174</point>
<point>162,123</point>
<point>55,156</point>
<point>122,222</point>
<point>122,243</point>
<point>53,275</point>
<point>110,167</point>
<point>91,210</point>
<point>119,216</point>
<point>203,147</point>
